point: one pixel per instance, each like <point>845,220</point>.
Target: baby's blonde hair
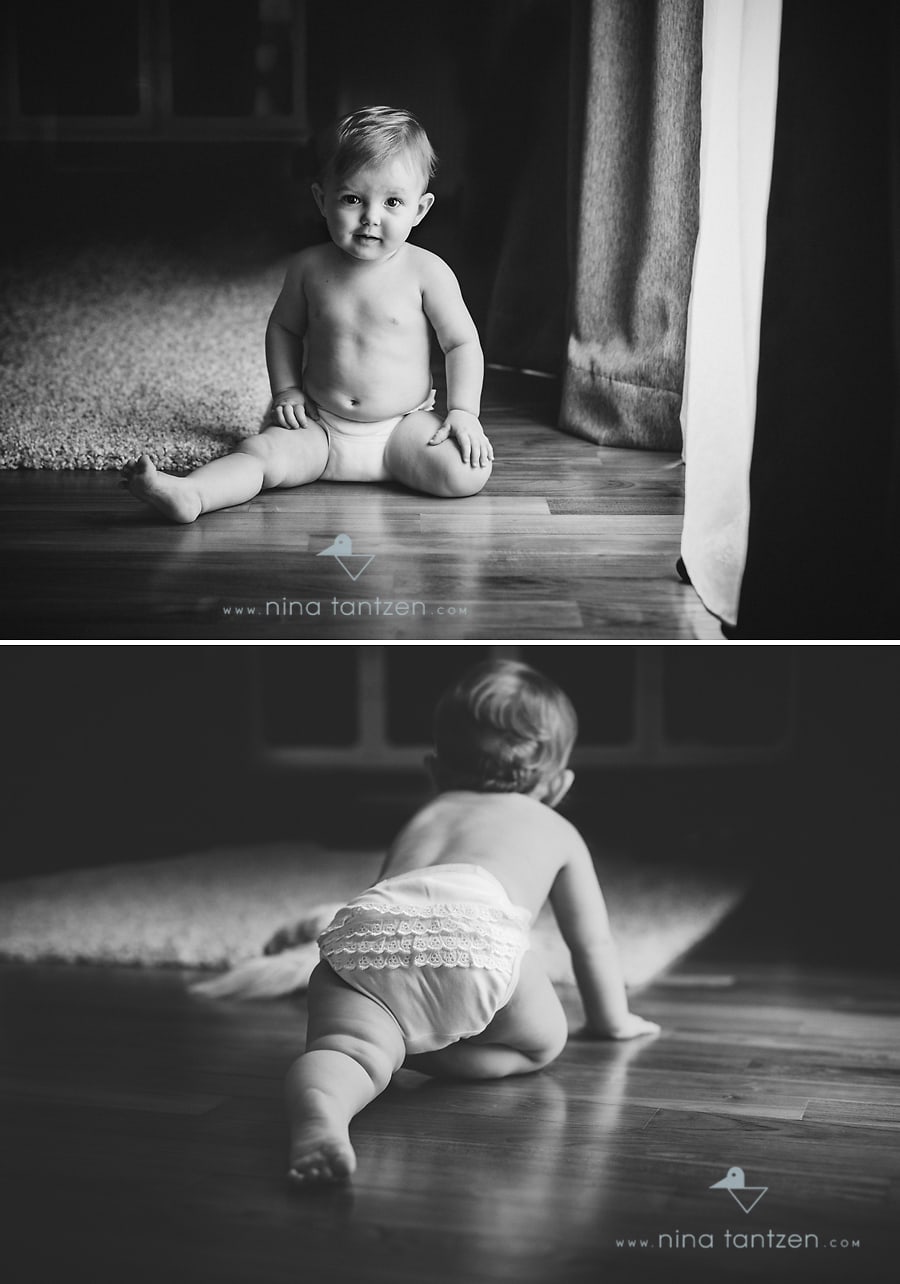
<point>374,135</point>
<point>502,728</point>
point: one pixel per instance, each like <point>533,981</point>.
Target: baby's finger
<point>292,418</point>
<point>440,435</point>
<point>638,1028</point>
<point>464,441</point>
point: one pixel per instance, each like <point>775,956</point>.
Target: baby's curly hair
<point>502,728</point>
<point>372,136</point>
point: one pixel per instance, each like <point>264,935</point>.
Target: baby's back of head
<point>502,728</point>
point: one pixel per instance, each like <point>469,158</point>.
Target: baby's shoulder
<point>546,828</point>
<point>309,276</point>
<point>308,263</point>
<point>525,815</point>
<point>552,821</point>
<point>429,267</point>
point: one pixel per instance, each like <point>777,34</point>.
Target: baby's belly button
<point>377,404</point>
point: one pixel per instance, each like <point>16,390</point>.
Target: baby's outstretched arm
<point>583,920</point>
<point>458,337</point>
<point>602,988</point>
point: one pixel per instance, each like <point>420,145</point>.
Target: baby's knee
<point>264,449</point>
<point>447,475</point>
<point>547,1036</point>
<point>461,480</point>
<point>555,1036</point>
<point>378,1063</point>
<point>435,470</point>
<point>552,1049</point>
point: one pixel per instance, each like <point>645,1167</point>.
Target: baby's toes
<point>306,1174</point>
<point>332,1160</point>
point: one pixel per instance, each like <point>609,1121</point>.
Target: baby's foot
<point>320,1143</point>
<point>174,497</point>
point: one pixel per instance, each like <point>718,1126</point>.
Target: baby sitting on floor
<point>348,346</point>
<point>430,968</point>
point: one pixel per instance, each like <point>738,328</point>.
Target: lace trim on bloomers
<point>395,936</point>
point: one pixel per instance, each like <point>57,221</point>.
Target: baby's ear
<point>318,192</point>
<point>426,200</point>
<point>558,787</point>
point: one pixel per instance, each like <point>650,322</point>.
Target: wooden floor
<point>143,1140</point>
<point>568,541</point>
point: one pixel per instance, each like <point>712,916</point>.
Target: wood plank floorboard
<point>143,1139</point>
<point>569,540</point>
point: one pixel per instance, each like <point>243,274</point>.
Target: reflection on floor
<point>569,540</point>
<point>144,1140</point>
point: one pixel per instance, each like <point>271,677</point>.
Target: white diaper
<point>440,949</point>
<point>356,450</point>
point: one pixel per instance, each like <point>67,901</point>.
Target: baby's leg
<point>436,470</point>
<point>275,457</point>
<point>353,1047</point>
<point>527,1034</point>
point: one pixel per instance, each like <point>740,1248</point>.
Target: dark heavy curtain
<point>514,206</point>
<point>822,557</point>
<point>634,143</point>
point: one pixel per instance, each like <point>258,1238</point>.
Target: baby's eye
<point>349,199</point>
<point>393,202</point>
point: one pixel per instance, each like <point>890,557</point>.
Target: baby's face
<point>371,212</point>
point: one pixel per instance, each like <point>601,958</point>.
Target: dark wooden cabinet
<point>637,705</point>
<point>162,69</point>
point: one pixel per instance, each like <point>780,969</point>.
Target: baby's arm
<point>458,337</point>
<point>583,920</point>
<point>284,349</point>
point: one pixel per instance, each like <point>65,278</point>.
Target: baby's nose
<point>370,217</point>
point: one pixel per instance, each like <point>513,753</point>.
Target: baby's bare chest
<point>393,308</point>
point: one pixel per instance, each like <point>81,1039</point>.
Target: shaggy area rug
<point>110,350</point>
<point>218,909</point>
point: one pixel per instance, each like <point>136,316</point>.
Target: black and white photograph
<point>450,524</point>
<point>449,963</point>
<point>638,260</point>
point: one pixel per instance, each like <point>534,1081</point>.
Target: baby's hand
<point>633,1027</point>
<point>468,433</point>
<point>304,930</point>
<point>292,409</point>
<point>285,939</point>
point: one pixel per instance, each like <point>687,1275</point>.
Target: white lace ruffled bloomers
<point>459,934</point>
<point>454,919</point>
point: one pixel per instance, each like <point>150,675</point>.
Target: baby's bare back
<point>367,342</point>
<point>520,841</point>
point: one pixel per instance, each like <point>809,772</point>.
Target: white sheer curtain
<point>738,95</point>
